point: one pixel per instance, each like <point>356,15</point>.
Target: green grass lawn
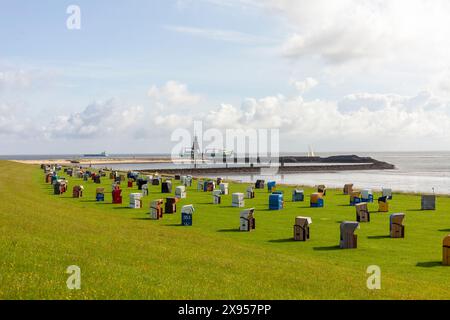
<point>124,255</point>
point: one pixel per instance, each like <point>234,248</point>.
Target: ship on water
<point>96,155</point>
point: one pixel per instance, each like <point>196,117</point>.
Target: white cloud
<point>172,121</point>
<point>99,119</point>
<point>174,93</point>
<point>17,78</point>
<point>14,122</point>
<point>367,31</point>
<point>221,35</point>
<point>358,121</point>
<point>401,35</point>
<point>305,85</point>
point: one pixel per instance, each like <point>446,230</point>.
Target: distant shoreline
<point>96,161</point>
<point>285,164</point>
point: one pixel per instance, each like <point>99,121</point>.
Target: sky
<point>347,75</point>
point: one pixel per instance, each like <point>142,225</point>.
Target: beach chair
<point>250,192</point>
<point>180,192</point>
<point>366,195</point>
<point>362,212</point>
<point>135,200</point>
<point>387,192</point>
<point>188,181</point>
<point>259,184</point>
<point>446,251</point>
<point>383,205</point>
<point>322,189</point>
<point>396,226</point>
<point>316,200</point>
<point>166,186</point>
<point>247,220</point>
<point>209,186</point>
<point>144,190</point>
<point>57,188</point>
<point>301,228</point>
<point>77,191</point>
<point>298,195</point>
<point>100,194</point>
<point>237,200</point>
<point>276,201</point>
<point>156,210</point>
<point>348,188</point>
<point>223,188</point>
<point>217,196</point>
<point>271,186</point>
<point>171,205</point>
<point>186,215</point>
<point>428,202</point>
<point>348,239</point>
<point>355,197</point>
<point>117,195</point>
<point>141,182</point>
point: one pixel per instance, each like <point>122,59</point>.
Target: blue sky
<point>305,67</point>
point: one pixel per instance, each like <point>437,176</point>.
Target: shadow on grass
<point>143,219</point>
<point>329,248</point>
<point>444,230</point>
<point>229,230</point>
<point>429,264</point>
<point>282,240</point>
<point>122,208</point>
<point>174,225</point>
<point>417,210</point>
<point>378,237</point>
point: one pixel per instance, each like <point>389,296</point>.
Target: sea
<point>415,171</point>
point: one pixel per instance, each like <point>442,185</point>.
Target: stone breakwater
<point>290,165</point>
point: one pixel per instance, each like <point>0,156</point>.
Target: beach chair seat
<point>301,228</point>
<point>247,220</point>
<point>348,239</point>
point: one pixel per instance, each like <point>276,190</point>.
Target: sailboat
<point>311,152</point>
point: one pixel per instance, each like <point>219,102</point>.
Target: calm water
<point>415,172</point>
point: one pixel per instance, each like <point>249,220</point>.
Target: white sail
<point>311,151</point>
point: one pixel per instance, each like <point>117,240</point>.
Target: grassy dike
<point>123,255</point>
